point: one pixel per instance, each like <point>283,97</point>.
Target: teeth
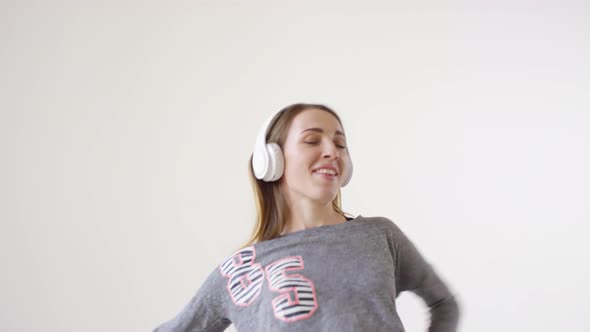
<point>325,171</point>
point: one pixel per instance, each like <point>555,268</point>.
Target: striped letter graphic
<point>298,299</point>
<point>245,277</point>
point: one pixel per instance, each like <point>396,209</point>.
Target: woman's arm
<point>204,312</point>
<point>415,274</point>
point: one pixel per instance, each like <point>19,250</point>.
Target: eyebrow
<point>320,130</point>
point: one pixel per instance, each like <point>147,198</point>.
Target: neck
<point>305,214</point>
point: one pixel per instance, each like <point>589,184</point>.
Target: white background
<point>126,127</point>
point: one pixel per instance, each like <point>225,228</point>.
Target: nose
<point>331,151</point>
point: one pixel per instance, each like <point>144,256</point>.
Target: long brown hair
<point>271,207</point>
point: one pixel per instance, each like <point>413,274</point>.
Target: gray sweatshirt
<point>342,277</point>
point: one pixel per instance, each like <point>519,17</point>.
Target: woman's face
<point>315,141</point>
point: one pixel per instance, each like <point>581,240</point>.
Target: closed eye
<point>315,143</point>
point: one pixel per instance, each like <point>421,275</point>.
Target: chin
<point>325,198</point>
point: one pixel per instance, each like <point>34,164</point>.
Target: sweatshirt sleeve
<point>414,273</point>
<point>205,312</point>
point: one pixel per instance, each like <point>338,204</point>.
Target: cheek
<point>294,167</point>
<point>297,161</point>
<point>297,170</point>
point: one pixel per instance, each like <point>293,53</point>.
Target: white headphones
<point>267,159</point>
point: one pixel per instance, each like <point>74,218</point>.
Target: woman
<point>308,266</point>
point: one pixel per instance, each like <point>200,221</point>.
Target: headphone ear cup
<point>348,174</point>
<point>277,162</point>
<point>260,162</point>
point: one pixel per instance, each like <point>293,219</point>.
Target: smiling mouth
<point>326,176</point>
<point>324,171</point>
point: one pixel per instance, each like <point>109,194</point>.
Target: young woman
<point>309,266</point>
